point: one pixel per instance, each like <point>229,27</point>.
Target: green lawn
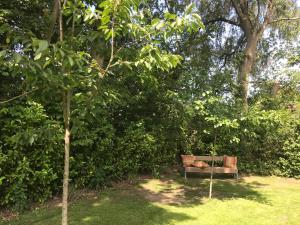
<point>172,200</point>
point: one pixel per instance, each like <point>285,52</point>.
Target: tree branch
<point>227,55</point>
<point>284,19</point>
<point>19,96</point>
<point>258,11</point>
<point>111,47</point>
<point>244,17</point>
<point>222,19</point>
<point>266,18</point>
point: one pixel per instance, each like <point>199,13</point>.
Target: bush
<point>289,162</point>
<point>264,135</point>
<point>30,157</point>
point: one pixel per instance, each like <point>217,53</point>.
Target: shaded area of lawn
<point>173,200</point>
<point>186,193</point>
<point>112,208</point>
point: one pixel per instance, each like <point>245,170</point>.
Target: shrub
<point>289,162</point>
<point>31,155</point>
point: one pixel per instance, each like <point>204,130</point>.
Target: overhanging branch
<point>222,19</point>
<point>19,96</point>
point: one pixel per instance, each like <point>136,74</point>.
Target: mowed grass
<point>172,200</point>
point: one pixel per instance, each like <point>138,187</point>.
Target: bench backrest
<point>209,158</point>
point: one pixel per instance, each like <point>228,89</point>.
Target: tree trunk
<point>211,175</point>
<point>67,116</point>
<point>245,69</point>
<point>212,166</point>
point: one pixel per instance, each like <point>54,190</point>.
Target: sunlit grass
<point>251,201</point>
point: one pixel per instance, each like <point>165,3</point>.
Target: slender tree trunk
<point>211,175</point>
<point>67,117</point>
<point>54,16</point>
<point>245,69</point>
<point>212,167</point>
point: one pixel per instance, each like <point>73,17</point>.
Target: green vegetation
<point>253,200</point>
<point>94,92</point>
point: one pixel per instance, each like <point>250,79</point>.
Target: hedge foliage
<point>106,148</point>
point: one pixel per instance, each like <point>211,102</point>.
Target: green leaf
<point>198,20</point>
<point>31,140</point>
<point>43,45</point>
<point>189,8</point>
<point>38,56</point>
<point>1,179</point>
<point>160,25</point>
<point>170,16</point>
<point>71,61</point>
<point>155,21</point>
<point>2,53</point>
<point>17,58</point>
<point>4,28</point>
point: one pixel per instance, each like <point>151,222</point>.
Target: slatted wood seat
<point>207,170</point>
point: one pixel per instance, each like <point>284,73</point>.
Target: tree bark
<point>253,31</point>
<point>67,117</point>
<point>212,166</point>
<point>246,67</point>
<point>54,15</point>
<point>211,176</point>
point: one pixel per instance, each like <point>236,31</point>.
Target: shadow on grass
<point>123,207</point>
<point>176,190</point>
<point>137,205</point>
<point>113,207</point>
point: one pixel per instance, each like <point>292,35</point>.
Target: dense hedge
<point>31,152</point>
<point>104,149</point>
<point>267,134</point>
<point>31,155</point>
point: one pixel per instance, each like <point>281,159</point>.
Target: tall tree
<point>254,20</point>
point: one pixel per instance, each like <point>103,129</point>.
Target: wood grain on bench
<point>209,158</point>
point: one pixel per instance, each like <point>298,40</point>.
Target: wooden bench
<point>221,170</point>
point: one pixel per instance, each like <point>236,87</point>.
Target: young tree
<point>66,61</point>
<point>216,122</point>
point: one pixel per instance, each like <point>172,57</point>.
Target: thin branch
<point>73,25</point>
<point>19,96</point>
<point>236,49</point>
<point>266,18</point>
<point>112,45</point>
<point>268,13</point>
<point>258,11</point>
<point>222,19</point>
<point>284,19</point>
<point>61,34</point>
<point>111,50</point>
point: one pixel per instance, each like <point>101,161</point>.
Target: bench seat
<point>189,159</point>
<point>208,170</point>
